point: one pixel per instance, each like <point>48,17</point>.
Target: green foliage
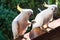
<point>51,1</point>
<point>6,17</point>
<point>58,13</point>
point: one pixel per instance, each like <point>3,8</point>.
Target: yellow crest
<point>46,5</point>
<point>19,8</point>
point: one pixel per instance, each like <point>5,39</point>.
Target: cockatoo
<point>44,17</point>
<point>21,22</point>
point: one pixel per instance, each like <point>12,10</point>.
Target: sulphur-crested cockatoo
<point>44,17</point>
<point>21,22</point>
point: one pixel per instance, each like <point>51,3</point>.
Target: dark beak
<point>56,9</point>
<point>31,15</point>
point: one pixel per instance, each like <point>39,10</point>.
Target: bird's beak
<point>31,15</point>
<point>56,9</point>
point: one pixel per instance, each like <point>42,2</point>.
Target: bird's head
<point>53,7</point>
<point>26,12</point>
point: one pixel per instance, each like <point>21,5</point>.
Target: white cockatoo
<point>44,17</point>
<point>21,22</point>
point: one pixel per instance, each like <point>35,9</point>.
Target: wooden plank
<point>38,32</point>
<point>52,35</point>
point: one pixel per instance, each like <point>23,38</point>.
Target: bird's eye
<point>28,13</point>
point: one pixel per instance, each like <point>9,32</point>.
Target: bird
<point>44,17</point>
<point>21,22</point>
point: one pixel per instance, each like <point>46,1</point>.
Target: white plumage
<point>44,17</point>
<point>21,22</point>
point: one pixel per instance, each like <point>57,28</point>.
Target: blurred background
<point>8,12</point>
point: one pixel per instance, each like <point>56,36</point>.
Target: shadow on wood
<point>53,35</point>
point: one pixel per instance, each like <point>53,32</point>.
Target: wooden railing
<point>37,33</point>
